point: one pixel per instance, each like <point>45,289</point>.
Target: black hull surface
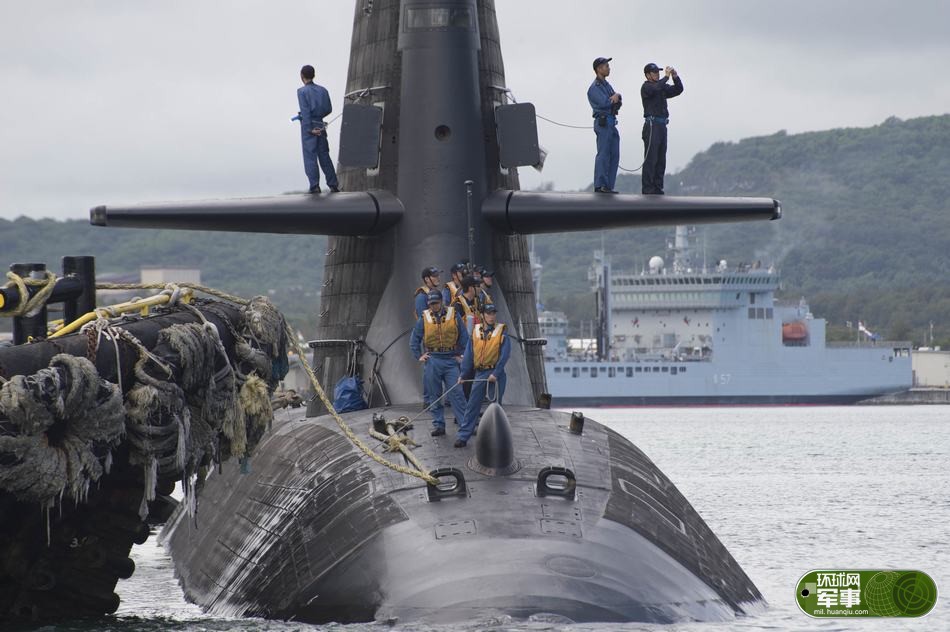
<point>317,532</point>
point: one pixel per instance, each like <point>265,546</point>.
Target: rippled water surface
<point>786,489</point>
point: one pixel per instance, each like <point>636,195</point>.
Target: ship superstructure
<point>690,334</point>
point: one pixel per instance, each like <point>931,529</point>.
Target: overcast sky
<point>121,101</point>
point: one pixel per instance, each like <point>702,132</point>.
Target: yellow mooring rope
<point>30,306</point>
<point>419,472</point>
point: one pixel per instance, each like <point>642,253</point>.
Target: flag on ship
<point>867,332</point>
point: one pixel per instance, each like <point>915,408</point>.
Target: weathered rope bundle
<point>266,329</point>
<point>189,406</point>
<point>62,424</point>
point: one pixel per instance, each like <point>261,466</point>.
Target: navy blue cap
<point>459,267</point>
<point>430,271</point>
<point>651,67</point>
<point>435,296</point>
<point>601,60</point>
<point>487,273</point>
<point>490,308</point>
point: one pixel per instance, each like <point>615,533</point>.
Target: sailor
<point>458,272</point>
<point>479,303</point>
<point>438,340</point>
<point>315,104</point>
<point>484,361</point>
<point>466,301</point>
<point>605,104</point>
<point>656,116</point>
<point>430,281</point>
<point>484,290</point>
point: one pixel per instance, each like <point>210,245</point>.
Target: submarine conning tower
<point>400,53</point>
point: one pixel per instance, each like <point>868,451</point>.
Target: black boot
<point>438,432</point>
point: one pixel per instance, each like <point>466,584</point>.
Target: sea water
<point>786,489</point>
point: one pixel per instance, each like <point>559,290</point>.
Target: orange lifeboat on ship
<point>794,332</point>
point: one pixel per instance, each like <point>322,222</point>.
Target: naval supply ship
<point>688,335</point>
<point>317,516</point>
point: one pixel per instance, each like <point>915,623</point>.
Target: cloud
<point>114,101</point>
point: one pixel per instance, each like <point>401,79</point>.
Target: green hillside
<point>865,235</point>
<point>288,268</point>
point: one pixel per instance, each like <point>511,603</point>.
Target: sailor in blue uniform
<point>656,116</point>
<point>439,339</point>
<point>315,104</point>
<point>458,271</point>
<point>482,297</point>
<point>605,104</point>
<point>485,357</point>
<point>430,281</point>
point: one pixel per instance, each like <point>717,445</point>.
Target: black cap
<point>430,271</point>
<point>458,267</point>
<point>487,273</point>
<point>601,60</point>
<point>435,296</point>
<point>489,308</point>
<point>651,67</point>
<point>468,282</point>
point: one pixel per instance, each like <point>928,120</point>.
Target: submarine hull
<point>316,532</point>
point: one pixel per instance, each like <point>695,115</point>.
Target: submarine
<point>544,513</point>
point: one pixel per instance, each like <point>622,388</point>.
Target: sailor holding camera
<point>605,104</point>
<point>656,116</point>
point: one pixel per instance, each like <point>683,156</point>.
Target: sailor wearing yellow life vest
<point>466,301</point>
<point>453,287</point>
<point>485,357</point>
<point>430,281</point>
<point>438,340</point>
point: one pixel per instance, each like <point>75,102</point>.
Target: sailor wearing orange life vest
<point>485,357</point>
<point>438,340</point>
<point>430,281</point>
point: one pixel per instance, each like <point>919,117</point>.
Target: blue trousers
<point>441,373</point>
<point>474,406</point>
<point>608,154</point>
<point>316,150</point>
